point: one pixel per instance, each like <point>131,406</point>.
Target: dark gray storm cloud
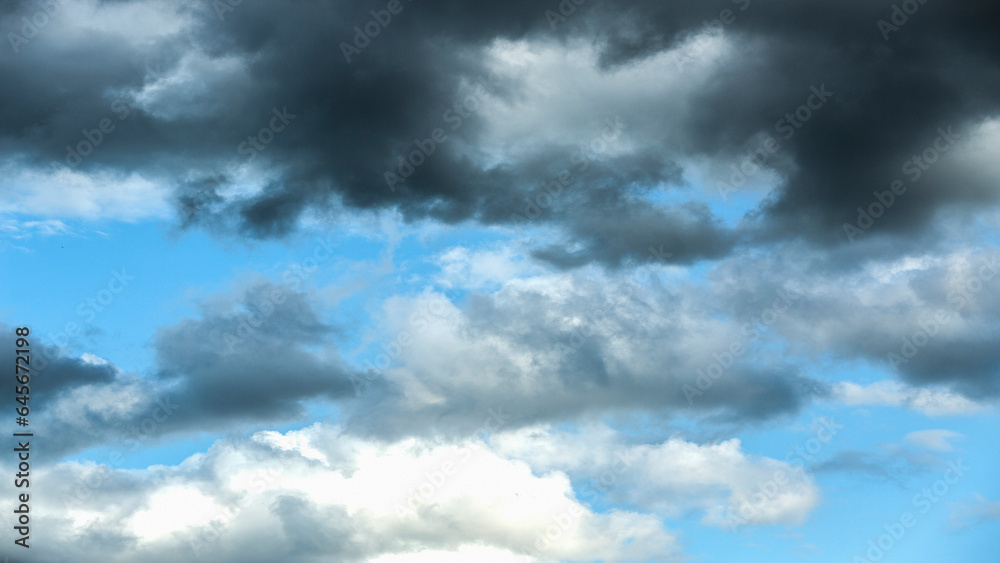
<point>352,120</point>
<point>892,92</point>
<point>259,356</point>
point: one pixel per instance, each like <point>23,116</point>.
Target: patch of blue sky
<point>133,453</point>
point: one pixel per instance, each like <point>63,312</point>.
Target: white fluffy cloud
<point>729,486</point>
<point>319,491</point>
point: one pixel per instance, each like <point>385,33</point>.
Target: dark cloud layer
<point>890,98</point>
<point>258,357</point>
<point>939,69</point>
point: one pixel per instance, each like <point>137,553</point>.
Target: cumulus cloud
<point>307,494</point>
<point>674,477</point>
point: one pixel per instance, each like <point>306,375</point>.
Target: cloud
<point>66,193</point>
<point>966,515</point>
<point>931,402</point>
<point>252,358</point>
<point>936,440</point>
<point>249,359</point>
<point>717,93</point>
<point>53,373</point>
<point>923,314</point>
<point>558,346</point>
<point>674,477</point>
<point>481,269</point>
<point>919,453</point>
<point>546,347</point>
<point>26,229</point>
<point>319,492</point>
